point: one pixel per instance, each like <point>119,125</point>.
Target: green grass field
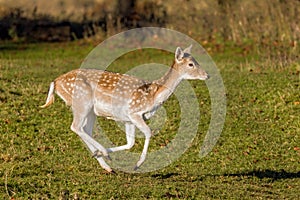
<point>256,157</point>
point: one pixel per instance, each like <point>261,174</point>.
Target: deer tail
<point>50,97</point>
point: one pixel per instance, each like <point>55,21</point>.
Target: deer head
<point>187,66</point>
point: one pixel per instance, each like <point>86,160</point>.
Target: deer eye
<point>191,64</point>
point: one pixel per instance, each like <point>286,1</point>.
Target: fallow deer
<point>94,92</point>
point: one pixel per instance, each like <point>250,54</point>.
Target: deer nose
<point>204,76</point>
<point>207,76</point>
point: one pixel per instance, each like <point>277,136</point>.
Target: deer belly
<point>110,110</point>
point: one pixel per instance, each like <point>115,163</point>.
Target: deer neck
<point>167,84</point>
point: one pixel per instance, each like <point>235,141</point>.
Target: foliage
<point>261,21</point>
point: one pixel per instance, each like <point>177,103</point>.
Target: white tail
<point>50,98</point>
<point>92,92</point>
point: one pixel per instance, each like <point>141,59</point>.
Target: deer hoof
<point>110,171</point>
<point>97,154</point>
<point>108,157</point>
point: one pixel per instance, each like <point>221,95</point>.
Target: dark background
<point>269,28</point>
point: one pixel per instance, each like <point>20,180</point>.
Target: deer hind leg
<point>138,121</point>
<point>130,137</point>
<point>82,125</point>
<point>88,128</point>
<point>90,122</point>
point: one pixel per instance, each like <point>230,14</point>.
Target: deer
<point>120,97</point>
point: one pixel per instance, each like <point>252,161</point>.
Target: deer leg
<point>88,127</point>
<point>82,122</point>
<point>138,121</point>
<point>130,137</point>
<point>89,124</point>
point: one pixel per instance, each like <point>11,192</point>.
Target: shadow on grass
<point>261,174</point>
<point>274,175</point>
<point>165,176</point>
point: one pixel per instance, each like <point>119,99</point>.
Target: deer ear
<point>179,54</point>
<point>188,49</point>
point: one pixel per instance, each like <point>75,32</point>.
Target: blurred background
<point>269,26</point>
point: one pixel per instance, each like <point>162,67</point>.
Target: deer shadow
<point>261,174</point>
<point>274,175</point>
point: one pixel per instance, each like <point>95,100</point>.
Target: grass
<point>256,157</point>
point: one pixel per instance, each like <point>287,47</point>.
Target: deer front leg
<point>130,137</point>
<point>138,121</point>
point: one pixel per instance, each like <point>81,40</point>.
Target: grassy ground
<point>256,157</point>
